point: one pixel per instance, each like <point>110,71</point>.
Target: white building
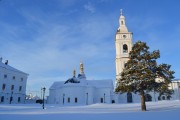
<point>81,91</point>
<point>123,44</point>
<point>12,84</point>
<point>175,85</point>
<point>78,90</point>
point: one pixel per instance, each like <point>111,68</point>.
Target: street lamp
<point>63,98</point>
<point>87,99</point>
<point>104,97</point>
<point>43,95</point>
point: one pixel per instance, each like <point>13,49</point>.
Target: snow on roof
<point>6,66</point>
<point>84,83</point>
<point>176,80</point>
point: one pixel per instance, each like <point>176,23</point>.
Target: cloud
<point>89,7</point>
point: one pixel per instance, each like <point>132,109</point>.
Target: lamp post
<point>104,97</point>
<point>43,96</point>
<point>63,98</point>
<point>87,99</point>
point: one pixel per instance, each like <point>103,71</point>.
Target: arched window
<point>75,100</point>
<point>163,98</point>
<point>122,22</point>
<point>101,100</point>
<point>129,97</point>
<point>68,100</point>
<point>125,48</point>
<point>168,97</point>
<point>148,97</point>
<point>2,99</point>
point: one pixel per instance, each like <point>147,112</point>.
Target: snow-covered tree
<point>141,72</point>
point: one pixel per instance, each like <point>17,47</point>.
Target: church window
<point>14,77</point>
<point>75,100</point>
<point>129,97</point>
<point>159,98</point>
<point>101,100</point>
<point>68,100</point>
<point>125,48</point>
<point>163,98</point>
<point>122,22</point>
<point>124,36</point>
<point>148,97</point>
<point>168,97</point>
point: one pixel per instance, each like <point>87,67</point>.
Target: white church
<point>79,90</point>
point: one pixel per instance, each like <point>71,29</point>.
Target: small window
<point>19,99</point>
<point>14,77</point>
<point>12,87</point>
<point>5,76</point>
<point>22,79</point>
<point>101,100</point>
<point>20,88</point>
<point>2,98</point>
<point>3,86</point>
<point>125,48</point>
<point>163,98</point>
<point>122,22</point>
<point>11,99</point>
<point>124,36</point>
<point>68,100</point>
<point>76,100</point>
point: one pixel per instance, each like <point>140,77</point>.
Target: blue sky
<point>49,38</point>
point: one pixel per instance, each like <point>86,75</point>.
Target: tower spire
<point>74,73</point>
<point>122,22</point>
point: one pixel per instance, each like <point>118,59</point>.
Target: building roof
<point>84,83</point>
<point>6,66</point>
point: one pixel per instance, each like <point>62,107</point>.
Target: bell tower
<point>123,44</point>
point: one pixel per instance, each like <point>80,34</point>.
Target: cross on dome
<point>121,11</point>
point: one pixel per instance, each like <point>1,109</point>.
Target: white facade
<point>175,85</point>
<point>78,90</point>
<point>123,44</point>
<point>12,84</point>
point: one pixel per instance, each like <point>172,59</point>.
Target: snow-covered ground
<point>164,110</point>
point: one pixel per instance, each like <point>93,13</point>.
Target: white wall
<point>20,80</point>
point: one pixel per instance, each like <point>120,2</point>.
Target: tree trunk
<point>143,103</point>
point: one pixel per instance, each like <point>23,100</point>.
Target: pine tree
<point>141,71</point>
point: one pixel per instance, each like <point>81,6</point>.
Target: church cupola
<point>74,73</point>
<point>122,23</point>
<point>82,75</point>
<point>81,68</point>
